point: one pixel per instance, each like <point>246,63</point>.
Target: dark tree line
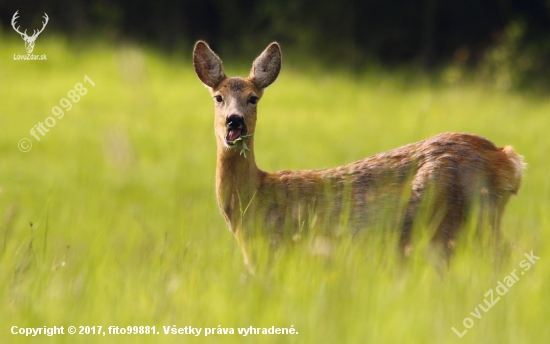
<point>391,31</point>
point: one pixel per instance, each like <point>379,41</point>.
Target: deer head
<point>29,40</point>
<point>235,99</point>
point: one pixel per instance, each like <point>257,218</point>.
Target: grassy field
<point>126,231</point>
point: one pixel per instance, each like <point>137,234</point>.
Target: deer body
<point>455,169</point>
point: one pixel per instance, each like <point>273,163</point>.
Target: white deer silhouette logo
<point>29,40</point>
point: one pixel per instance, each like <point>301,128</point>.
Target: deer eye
<point>218,99</point>
<point>253,100</point>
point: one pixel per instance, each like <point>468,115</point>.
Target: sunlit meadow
<point>111,219</point>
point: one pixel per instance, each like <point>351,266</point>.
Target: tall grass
<point>126,230</point>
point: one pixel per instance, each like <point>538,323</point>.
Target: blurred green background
<point>505,42</point>
<point>120,192</point>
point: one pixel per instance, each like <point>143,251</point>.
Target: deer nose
<point>234,121</point>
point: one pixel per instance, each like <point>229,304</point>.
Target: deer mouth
<point>235,129</point>
<point>234,134</point>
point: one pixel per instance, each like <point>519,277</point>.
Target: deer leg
<point>491,212</point>
<point>419,188</point>
<point>497,213</point>
<point>242,242</point>
<point>451,223</point>
<point>406,232</point>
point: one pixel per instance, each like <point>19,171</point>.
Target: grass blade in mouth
<point>240,142</point>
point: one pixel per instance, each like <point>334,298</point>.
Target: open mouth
<point>234,134</point>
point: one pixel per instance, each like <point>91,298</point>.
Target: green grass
<point>126,229</point>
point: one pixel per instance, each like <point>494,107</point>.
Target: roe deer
<point>456,169</point>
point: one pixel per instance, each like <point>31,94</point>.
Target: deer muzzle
<point>235,128</point>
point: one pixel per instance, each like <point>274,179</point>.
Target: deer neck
<point>237,179</point>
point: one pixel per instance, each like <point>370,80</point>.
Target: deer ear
<point>208,65</point>
<point>267,66</point>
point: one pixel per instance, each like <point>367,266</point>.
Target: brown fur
<point>455,169</point>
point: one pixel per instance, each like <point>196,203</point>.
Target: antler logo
<point>29,40</point>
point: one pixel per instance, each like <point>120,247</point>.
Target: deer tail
<point>512,170</point>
